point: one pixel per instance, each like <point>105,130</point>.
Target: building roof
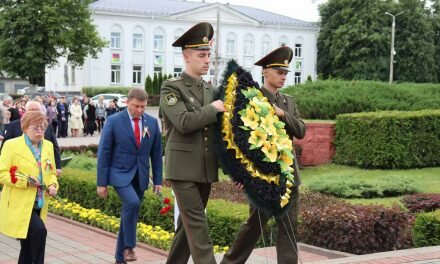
<point>171,7</point>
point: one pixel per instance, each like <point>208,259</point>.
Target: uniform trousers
<point>34,246</point>
<point>250,231</point>
<point>191,237</point>
<point>131,197</point>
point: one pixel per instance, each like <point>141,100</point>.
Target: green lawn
<point>427,178</point>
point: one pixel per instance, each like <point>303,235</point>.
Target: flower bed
<point>152,235</point>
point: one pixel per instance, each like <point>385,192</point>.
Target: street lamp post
<point>393,29</point>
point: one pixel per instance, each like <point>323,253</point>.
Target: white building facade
<point>140,34</point>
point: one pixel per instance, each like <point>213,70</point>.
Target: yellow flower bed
<point>152,235</point>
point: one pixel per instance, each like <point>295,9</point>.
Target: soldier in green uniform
<point>275,68</point>
<point>190,116</point>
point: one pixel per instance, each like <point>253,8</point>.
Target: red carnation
<point>12,171</point>
<point>166,200</point>
<point>165,210</point>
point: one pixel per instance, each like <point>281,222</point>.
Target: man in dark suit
<point>14,130</point>
<point>62,116</point>
<point>128,141</point>
<point>190,115</point>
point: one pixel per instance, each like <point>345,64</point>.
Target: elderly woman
<point>24,202</point>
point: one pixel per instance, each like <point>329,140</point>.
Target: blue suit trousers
<point>131,197</point>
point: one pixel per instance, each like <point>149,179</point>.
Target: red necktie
<point>137,132</point>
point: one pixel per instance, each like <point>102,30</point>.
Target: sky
<point>306,10</point>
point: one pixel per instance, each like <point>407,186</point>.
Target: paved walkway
<point>72,242</point>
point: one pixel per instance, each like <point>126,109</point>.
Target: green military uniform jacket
<point>189,117</point>
<point>295,127</point>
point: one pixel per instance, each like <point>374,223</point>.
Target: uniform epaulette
<point>178,78</point>
<point>287,95</point>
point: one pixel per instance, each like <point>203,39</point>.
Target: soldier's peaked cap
<point>278,59</point>
<point>197,37</point>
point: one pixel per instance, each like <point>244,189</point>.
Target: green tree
<point>156,86</point>
<point>435,18</point>
<point>352,43</point>
<point>149,85</point>
<point>415,48</point>
<point>34,34</point>
<point>161,77</point>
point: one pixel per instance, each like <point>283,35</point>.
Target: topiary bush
<point>423,202</point>
<point>427,229</point>
<point>327,99</point>
<point>350,186</point>
<point>354,228</point>
<point>388,140</point>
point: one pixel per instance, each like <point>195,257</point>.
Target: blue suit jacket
<point>119,158</point>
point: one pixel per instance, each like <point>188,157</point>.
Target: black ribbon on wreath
<point>251,143</point>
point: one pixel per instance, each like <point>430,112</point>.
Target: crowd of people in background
<point>81,115</point>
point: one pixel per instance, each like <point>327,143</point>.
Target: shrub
<point>91,91</point>
<point>427,229</point>
<point>327,99</point>
<point>350,186</point>
<point>354,228</point>
<point>423,202</point>
<point>388,139</point>
<point>80,187</point>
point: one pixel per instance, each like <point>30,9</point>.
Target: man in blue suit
<point>128,141</point>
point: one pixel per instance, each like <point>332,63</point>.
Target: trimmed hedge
<point>79,186</point>
<point>91,91</point>
<point>350,186</point>
<point>424,202</point>
<point>388,140</point>
<point>427,229</point>
<point>327,99</point>
<point>354,228</point>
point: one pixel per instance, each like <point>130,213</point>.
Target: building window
<point>177,71</point>
<point>265,45</point>
<point>298,65</point>
<point>115,40</point>
<point>230,44</point>
<point>158,59</point>
<point>157,70</point>
<point>297,77</point>
<point>158,42</point>
<point>298,48</point>
<point>116,74</point>
<point>138,41</point>
<point>248,46</point>
<point>72,74</point>
<point>137,74</point>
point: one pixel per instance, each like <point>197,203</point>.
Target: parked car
<point>122,99</point>
<point>23,91</point>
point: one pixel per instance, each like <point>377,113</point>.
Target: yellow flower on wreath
<point>270,150</point>
<point>250,118</point>
<point>257,138</point>
<point>267,123</point>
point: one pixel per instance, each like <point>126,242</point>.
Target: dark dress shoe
<point>120,262</point>
<point>129,255</point>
